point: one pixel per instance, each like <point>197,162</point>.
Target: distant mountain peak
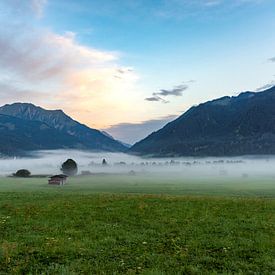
<point>31,106</point>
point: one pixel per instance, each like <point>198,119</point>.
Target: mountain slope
<point>227,126</point>
<point>80,135</point>
<point>18,136</point>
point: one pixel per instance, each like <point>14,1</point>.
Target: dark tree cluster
<point>22,173</point>
<point>69,167</point>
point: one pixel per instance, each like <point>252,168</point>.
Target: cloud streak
<point>40,56</point>
<point>156,98</point>
<point>175,91</point>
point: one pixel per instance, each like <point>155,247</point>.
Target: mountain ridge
<point>237,125</point>
<point>80,135</point>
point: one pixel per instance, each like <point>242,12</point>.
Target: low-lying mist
<point>49,162</point>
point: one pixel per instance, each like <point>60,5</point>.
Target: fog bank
<point>49,162</point>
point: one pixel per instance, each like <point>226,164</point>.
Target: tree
<point>104,162</point>
<point>69,167</point>
<point>22,173</point>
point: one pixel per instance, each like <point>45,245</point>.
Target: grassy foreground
<point>48,230</point>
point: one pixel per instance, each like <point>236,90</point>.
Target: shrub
<point>22,173</point>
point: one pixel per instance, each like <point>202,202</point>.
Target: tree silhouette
<point>69,167</point>
<point>22,173</point>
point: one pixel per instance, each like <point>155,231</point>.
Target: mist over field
<point>49,162</point>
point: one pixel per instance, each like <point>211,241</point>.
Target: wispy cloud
<point>272,59</point>
<point>156,98</point>
<point>175,91</point>
<point>133,132</point>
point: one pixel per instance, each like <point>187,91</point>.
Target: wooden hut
<point>58,179</point>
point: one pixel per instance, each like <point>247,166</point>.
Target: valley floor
<point>129,225</point>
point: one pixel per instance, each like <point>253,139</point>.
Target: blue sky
<point>128,66</point>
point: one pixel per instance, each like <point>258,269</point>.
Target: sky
<point>128,67</point>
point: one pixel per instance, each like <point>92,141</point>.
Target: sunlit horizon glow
<point>131,67</point>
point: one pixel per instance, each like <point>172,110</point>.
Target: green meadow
<point>121,224</point>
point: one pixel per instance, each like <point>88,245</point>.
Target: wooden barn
<point>58,179</point>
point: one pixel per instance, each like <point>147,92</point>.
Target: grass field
<point>126,224</point>
<point>147,184</point>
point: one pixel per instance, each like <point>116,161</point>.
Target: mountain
<point>226,126</point>
<point>27,123</point>
<point>18,136</point>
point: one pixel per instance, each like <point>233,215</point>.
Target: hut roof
<point>59,177</point>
